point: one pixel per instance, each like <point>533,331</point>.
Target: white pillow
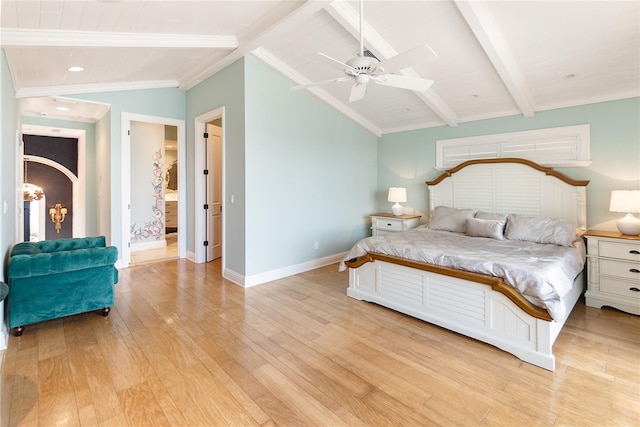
<point>450,219</point>
<point>537,229</point>
<point>492,228</point>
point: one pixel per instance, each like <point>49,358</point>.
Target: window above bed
<point>568,146</point>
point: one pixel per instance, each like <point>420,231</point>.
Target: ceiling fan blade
<point>334,62</point>
<point>403,82</point>
<point>357,92</point>
<point>407,59</point>
<point>320,83</point>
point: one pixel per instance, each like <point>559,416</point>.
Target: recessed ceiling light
<point>62,108</point>
<point>75,69</point>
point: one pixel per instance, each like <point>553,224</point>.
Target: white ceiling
<point>495,58</point>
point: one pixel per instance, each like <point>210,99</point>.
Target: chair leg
<point>105,311</point>
<point>18,331</point>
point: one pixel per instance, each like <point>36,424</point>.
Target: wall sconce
<point>58,213</point>
<point>397,195</point>
<point>626,201</point>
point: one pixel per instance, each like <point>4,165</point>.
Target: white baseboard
<point>234,277</point>
<point>258,279</point>
<point>145,246</point>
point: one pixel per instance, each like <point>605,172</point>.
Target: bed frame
<point>475,305</point>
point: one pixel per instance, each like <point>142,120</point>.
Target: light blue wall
<point>407,159</point>
<point>90,164</point>
<point>225,89</point>
<point>9,124</point>
<point>103,177</point>
<point>166,103</point>
<point>311,174</point>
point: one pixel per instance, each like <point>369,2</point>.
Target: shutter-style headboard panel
<point>510,185</point>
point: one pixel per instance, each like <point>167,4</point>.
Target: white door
<point>214,192</point>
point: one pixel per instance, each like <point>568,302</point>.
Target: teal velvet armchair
<point>57,278</point>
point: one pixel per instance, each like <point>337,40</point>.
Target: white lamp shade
<point>397,194</point>
<point>627,201</point>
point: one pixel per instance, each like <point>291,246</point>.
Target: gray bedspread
<point>543,273</point>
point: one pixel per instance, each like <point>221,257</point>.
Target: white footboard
<point>466,307</point>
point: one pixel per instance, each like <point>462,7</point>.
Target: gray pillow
<point>491,215</point>
<point>537,229</point>
<point>450,219</point>
<point>492,228</point>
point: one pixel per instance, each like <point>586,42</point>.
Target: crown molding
<point>28,92</point>
<point>14,37</point>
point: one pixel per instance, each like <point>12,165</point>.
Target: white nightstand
<point>613,270</point>
<point>382,223</point>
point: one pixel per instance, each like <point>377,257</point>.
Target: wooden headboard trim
<point>546,170</point>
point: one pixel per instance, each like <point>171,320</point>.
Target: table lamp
<point>397,195</point>
<point>626,201</point>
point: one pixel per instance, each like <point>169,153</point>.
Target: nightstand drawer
<point>629,251</point>
<point>387,224</point>
<point>620,287</point>
<point>621,269</point>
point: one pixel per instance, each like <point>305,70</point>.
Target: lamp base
<point>397,209</point>
<point>629,225</point>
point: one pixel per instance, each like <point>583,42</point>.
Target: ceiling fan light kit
<point>361,69</point>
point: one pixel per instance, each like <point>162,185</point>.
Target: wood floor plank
<point>140,406</point>
<point>295,397</point>
<point>185,347</point>
<point>25,378</point>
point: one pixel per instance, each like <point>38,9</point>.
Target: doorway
<point>153,215</point>
<point>77,177</point>
<point>209,186</point>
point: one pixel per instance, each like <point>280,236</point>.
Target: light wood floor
<point>167,253</point>
<point>183,347</point>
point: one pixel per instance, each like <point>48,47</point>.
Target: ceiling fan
<point>362,69</point>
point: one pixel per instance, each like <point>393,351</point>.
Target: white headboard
<point>510,185</point>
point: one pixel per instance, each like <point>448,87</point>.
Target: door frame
<point>125,190</point>
<point>79,225</point>
<point>200,253</point>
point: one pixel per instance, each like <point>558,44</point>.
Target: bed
<point>482,305</point>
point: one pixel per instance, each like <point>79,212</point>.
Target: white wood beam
<point>282,21</point>
<point>349,18</point>
<point>483,25</point>
<point>271,60</point>
<point>14,37</point>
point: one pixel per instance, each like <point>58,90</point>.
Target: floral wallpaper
<point>154,227</point>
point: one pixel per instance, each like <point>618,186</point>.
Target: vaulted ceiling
<point>494,58</point>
